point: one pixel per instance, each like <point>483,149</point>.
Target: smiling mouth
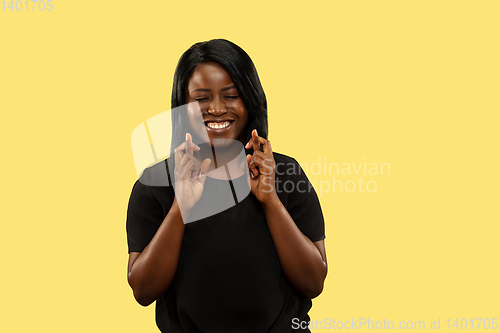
<point>218,126</point>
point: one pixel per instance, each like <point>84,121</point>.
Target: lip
<point>218,130</point>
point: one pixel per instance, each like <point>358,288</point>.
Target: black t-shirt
<point>229,277</point>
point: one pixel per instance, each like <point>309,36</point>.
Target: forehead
<point>209,74</point>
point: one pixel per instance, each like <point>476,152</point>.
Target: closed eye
<point>232,97</point>
<point>201,99</point>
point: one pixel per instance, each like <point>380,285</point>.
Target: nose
<point>217,108</point>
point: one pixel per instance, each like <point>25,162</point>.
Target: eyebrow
<point>227,88</point>
<point>205,89</point>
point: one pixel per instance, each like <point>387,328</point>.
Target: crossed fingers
<point>262,160</point>
<point>184,158</point>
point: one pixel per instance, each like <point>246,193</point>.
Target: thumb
<point>203,171</point>
<point>205,165</point>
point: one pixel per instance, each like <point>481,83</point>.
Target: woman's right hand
<point>189,176</point>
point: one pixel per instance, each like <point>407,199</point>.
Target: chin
<point>223,143</point>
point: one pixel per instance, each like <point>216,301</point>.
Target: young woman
<point>250,261</point>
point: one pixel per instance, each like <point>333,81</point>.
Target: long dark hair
<point>242,71</point>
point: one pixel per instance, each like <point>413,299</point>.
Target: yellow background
<point>411,83</point>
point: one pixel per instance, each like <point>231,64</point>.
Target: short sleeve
<point>302,201</point>
<point>144,217</point>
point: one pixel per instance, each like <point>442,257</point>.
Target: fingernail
<point>186,136</point>
<point>256,133</point>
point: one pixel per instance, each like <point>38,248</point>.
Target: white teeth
<point>215,125</point>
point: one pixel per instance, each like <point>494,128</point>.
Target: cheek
<point>243,121</point>
<point>243,113</point>
<point>193,111</point>
<point>196,124</point>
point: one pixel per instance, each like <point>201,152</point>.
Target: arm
<point>303,262</point>
<point>151,272</point>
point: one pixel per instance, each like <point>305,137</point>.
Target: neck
<point>224,159</point>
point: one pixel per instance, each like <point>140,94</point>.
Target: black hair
<point>242,71</point>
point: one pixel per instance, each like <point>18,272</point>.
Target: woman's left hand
<point>262,169</point>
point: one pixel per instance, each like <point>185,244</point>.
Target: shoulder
<point>155,184</point>
<point>287,166</point>
<point>299,197</point>
<point>156,174</point>
<point>291,180</point>
<point>283,158</point>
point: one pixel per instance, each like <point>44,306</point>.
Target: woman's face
<point>222,109</point>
